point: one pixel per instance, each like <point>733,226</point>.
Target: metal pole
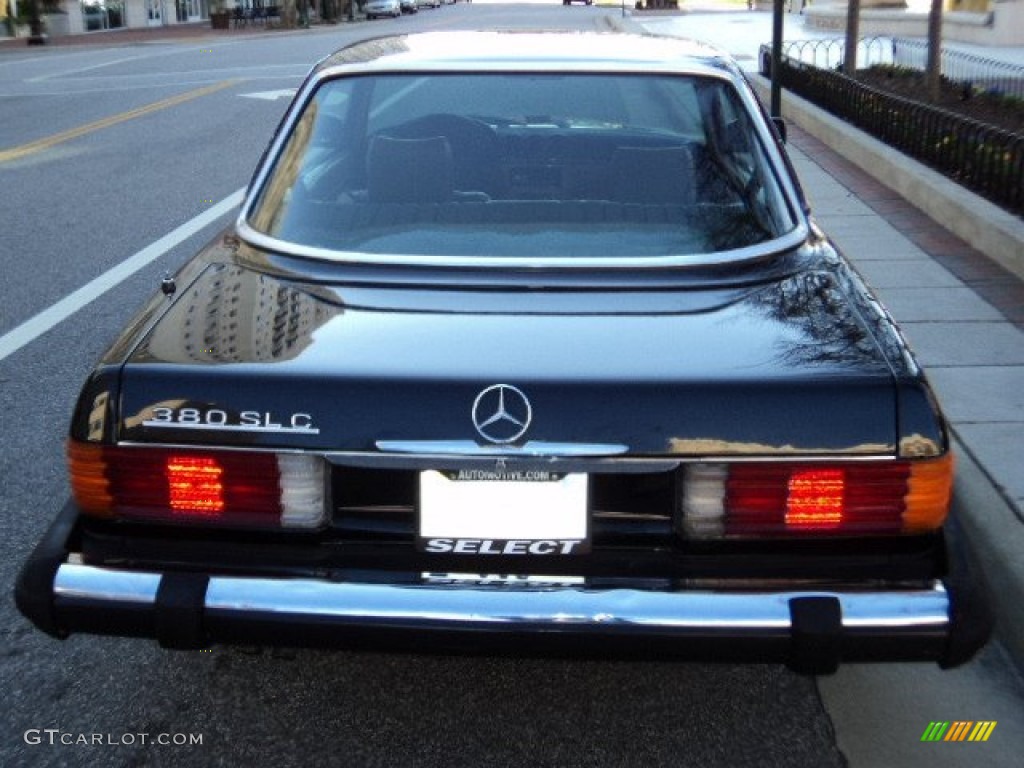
<point>776,103</point>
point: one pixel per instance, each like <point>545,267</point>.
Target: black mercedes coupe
<point>519,340</point>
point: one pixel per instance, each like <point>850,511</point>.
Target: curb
<point>994,232</point>
<point>995,539</point>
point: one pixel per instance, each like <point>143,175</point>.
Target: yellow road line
<point>16,153</point>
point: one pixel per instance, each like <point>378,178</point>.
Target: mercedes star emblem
<point>501,414</point>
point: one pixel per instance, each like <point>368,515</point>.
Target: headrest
<point>409,170</point>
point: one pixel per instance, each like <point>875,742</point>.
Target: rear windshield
<point>521,165</point>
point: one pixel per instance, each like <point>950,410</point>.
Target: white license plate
<point>470,512</point>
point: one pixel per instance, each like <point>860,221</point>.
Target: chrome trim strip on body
<point>469,448</point>
<point>415,462</point>
<point>400,452</point>
<point>369,604</point>
<point>153,424</point>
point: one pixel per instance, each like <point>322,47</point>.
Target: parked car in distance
<point>409,6</point>
<point>520,339</point>
<point>375,8</point>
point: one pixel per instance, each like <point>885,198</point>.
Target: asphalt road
<point>89,184</point>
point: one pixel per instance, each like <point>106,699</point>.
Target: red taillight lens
<point>816,498</point>
<point>194,485</point>
<point>236,488</point>
<point>786,498</point>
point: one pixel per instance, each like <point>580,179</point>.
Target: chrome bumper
<point>538,608</point>
<point>812,630</point>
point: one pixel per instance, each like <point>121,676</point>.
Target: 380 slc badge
<point>221,420</point>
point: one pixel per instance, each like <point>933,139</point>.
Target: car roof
<point>531,51</point>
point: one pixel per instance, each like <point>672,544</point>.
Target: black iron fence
<point>967,69</point>
<point>981,73</point>
<point>983,158</point>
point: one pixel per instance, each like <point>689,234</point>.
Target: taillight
<point>195,485</point>
<point>792,498</point>
<point>233,488</point>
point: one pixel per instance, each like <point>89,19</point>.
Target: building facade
<point>74,17</point>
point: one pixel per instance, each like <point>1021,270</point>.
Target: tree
<point>933,67</point>
<point>289,14</point>
<point>35,23</point>
<point>852,33</point>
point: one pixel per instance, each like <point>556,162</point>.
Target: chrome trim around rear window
<point>761,251</point>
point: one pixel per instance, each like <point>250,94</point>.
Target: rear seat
<point>410,183</point>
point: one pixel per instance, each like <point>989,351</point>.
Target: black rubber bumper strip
<point>179,610</point>
<point>817,634</point>
<point>33,591</point>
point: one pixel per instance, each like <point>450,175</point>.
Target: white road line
<point>284,93</point>
<point>50,56</point>
<point>297,70</point>
<point>36,326</point>
<point>90,68</point>
<point>136,87</point>
<point>150,54</point>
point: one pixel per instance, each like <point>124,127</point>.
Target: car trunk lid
<point>243,358</point>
